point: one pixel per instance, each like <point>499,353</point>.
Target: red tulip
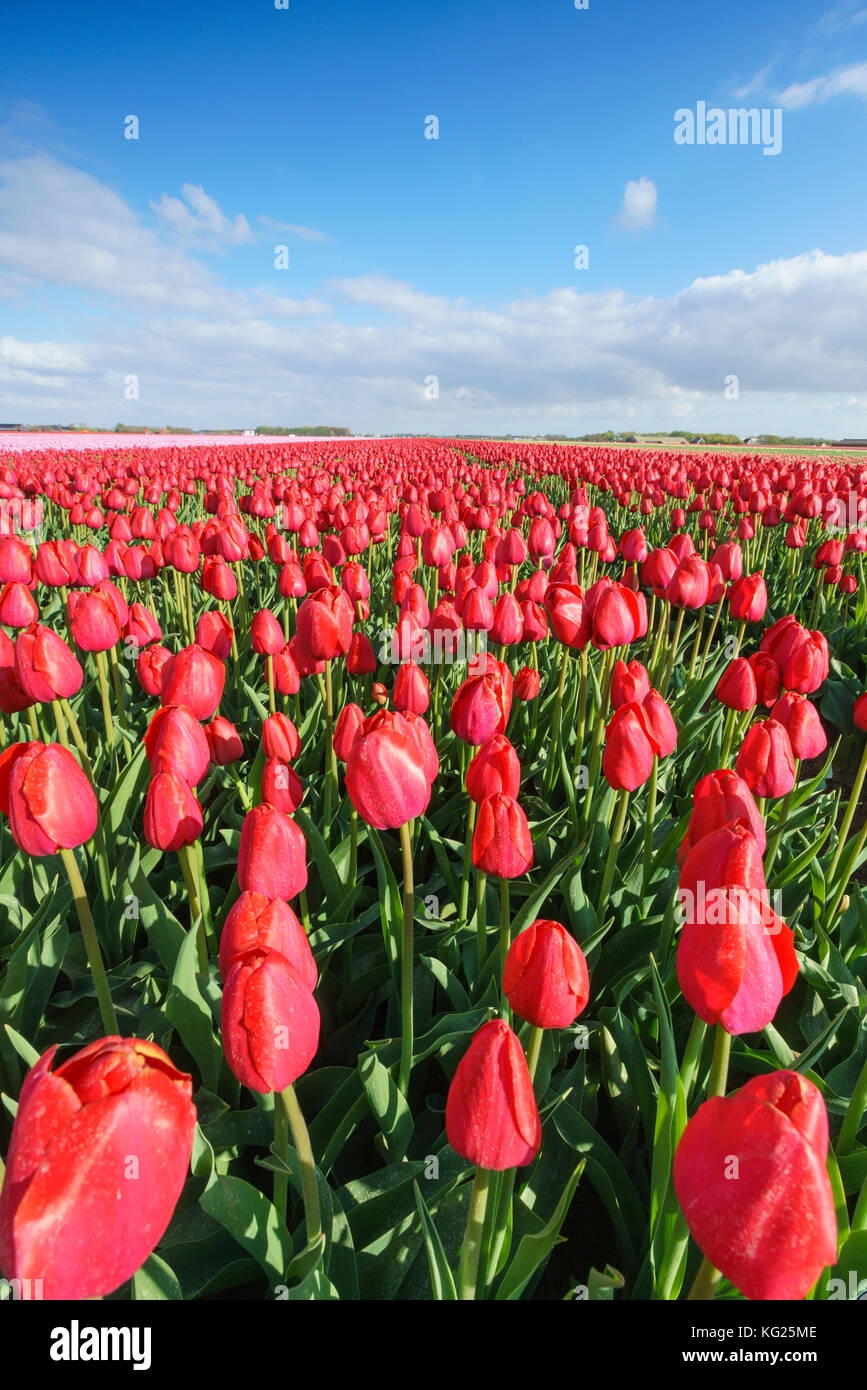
<point>195,678</point>
<point>214,633</point>
<point>737,686</point>
<point>257,923</point>
<point>495,768</point>
<point>324,624</point>
<point>45,666</point>
<point>270,1022</point>
<point>99,1153</point>
<point>172,816</point>
<point>281,786</point>
<point>767,677</point>
<point>149,667</point>
<point>528,683</point>
<point>629,684</point>
<point>266,634</point>
<point>801,721</point>
<point>659,723</point>
<point>280,738</point>
<point>502,844</point>
<point>748,598</point>
<point>480,708</point>
<point>719,799</point>
<point>349,721</point>
<point>386,776</point>
<point>224,742</point>
<point>736,963</point>
<point>766,761</point>
<point>411,689</point>
<point>545,978</point>
<point>769,1224</point>
<point>17,606</point>
<point>176,742</point>
<point>491,1115</point>
<point>272,858</point>
<point>47,797</point>
<point>630,747</point>
<point>725,858</point>
<point>568,614</point>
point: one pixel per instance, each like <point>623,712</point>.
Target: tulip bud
<point>45,666</point>
<point>172,816</point>
<point>270,1022</point>
<point>272,858</point>
<point>502,844</point>
<point>766,761</point>
<point>257,923</point>
<point>491,1115</point>
<point>280,738</point>
<point>545,978</point>
<point>194,678</point>
<point>47,797</point>
<point>224,742</point>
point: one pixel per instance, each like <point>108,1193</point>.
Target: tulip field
<point>432,870</point>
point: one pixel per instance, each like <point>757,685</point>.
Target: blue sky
<point>453,258</point>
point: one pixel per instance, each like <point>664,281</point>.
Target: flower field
<point>432,870</point>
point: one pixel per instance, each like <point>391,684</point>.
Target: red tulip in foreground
<point>491,1114</point>
<point>750,1175</point>
<point>99,1153</point>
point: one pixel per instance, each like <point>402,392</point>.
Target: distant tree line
<point>330,431</point>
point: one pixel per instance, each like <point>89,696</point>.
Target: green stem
<point>307,1164</point>
<point>189,868</point>
<point>505,940</point>
<point>705,1283</point>
<point>722,1045</point>
<point>91,943</point>
<point>472,1247</point>
<point>614,845</point>
<point>406,964</point>
<point>648,830</point>
<point>672,652</point>
<point>534,1047</point>
<point>468,859</point>
<point>103,695</point>
<point>281,1149</point>
<point>481,922</point>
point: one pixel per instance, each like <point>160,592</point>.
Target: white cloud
<point>358,351</point>
<point>200,217</point>
<point>847,81</point>
<point>306,233</point>
<point>639,205</point>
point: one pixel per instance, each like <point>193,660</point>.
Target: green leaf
<point>441,1277</point>
<point>187,1009</point>
<point>252,1221</point>
<point>155,1282</point>
<point>388,1106</point>
<point>535,1248</point>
